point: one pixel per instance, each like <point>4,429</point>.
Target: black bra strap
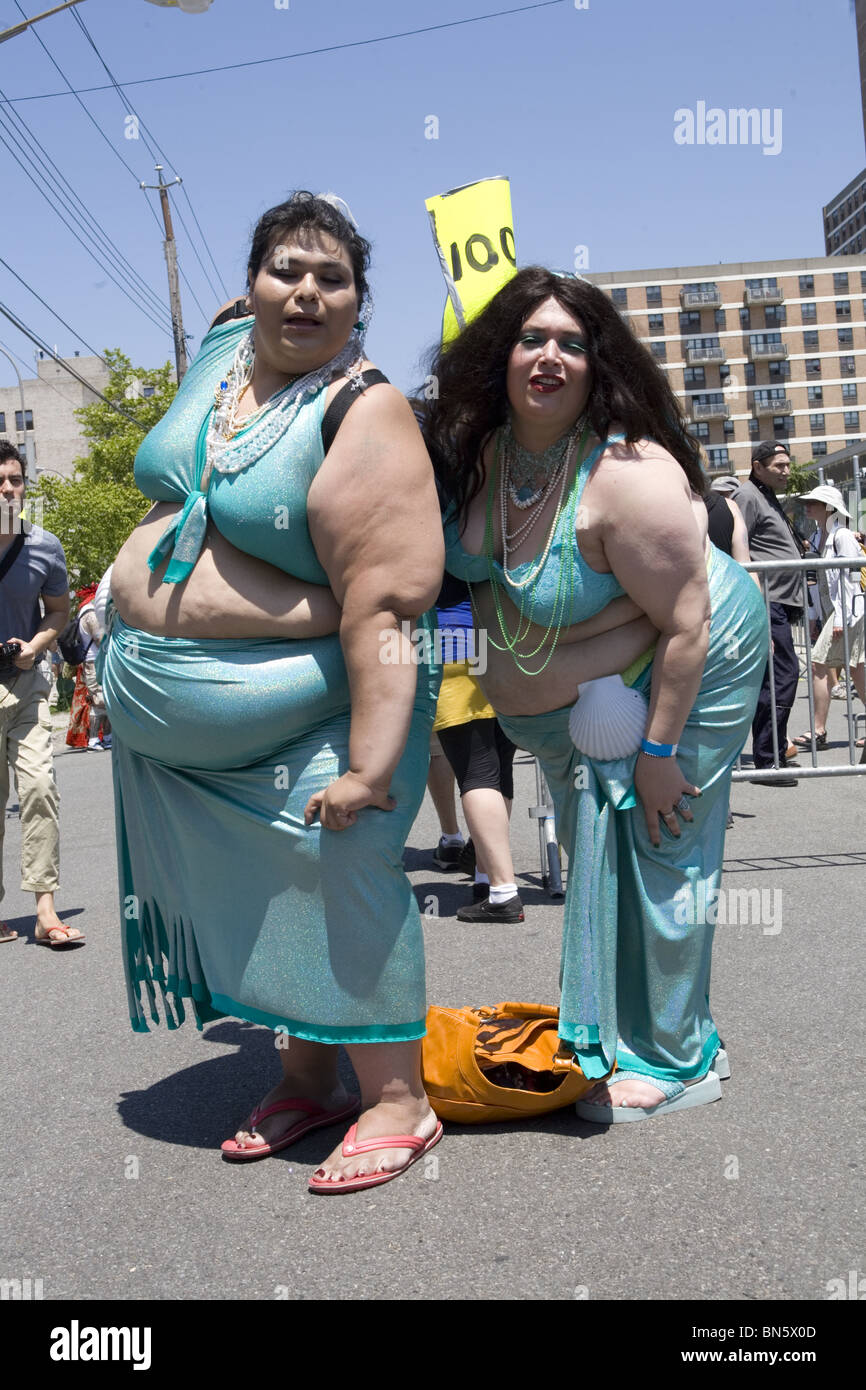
<point>343,402</point>
<point>238,310</point>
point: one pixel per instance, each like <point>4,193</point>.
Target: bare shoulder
<point>639,474</point>
<point>382,393</point>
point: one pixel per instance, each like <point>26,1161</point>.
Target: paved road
<point>113,1188</point>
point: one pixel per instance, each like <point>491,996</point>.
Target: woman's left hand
<point>338,805</point>
<point>660,785</point>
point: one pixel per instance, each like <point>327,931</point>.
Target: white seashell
<point>609,719</point>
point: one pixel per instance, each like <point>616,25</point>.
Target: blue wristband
<point>658,750</point>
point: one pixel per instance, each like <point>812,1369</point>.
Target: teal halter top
<point>592,591</point>
<point>262,510</point>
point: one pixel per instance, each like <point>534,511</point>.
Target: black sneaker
<point>447,857</point>
<point>509,911</point>
<point>466,862</point>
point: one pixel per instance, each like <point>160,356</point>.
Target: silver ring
<point>682,805</point>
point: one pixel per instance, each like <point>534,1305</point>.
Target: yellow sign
<point>474,235</point>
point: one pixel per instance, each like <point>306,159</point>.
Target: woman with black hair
<point>577,512</point>
<point>268,761</point>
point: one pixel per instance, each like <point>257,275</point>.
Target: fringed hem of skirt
<point>325,1033</point>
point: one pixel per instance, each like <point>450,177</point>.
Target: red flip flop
<point>351,1145</point>
<point>318,1118</point>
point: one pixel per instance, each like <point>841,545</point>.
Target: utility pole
<point>170,248</point>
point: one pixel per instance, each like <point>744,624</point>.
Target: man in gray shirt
<point>34,580</point>
<point>772,537</point>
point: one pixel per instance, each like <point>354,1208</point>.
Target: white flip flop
<point>678,1096</point>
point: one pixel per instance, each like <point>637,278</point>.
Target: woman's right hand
<point>338,805</point>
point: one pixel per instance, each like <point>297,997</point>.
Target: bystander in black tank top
<point>721,524</point>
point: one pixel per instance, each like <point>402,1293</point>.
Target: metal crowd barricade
<point>764,568</point>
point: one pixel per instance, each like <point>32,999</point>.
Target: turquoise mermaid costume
<point>635,966</point>
<point>228,900</point>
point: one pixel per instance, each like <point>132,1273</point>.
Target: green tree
<point>93,512</point>
<point>802,477</point>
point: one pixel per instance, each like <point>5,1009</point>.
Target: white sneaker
<point>93,743</point>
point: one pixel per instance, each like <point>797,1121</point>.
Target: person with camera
<point>34,607</point>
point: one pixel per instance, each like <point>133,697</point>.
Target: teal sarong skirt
<point>228,899</point>
<point>637,938</point>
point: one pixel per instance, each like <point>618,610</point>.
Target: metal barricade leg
<point>548,845</point>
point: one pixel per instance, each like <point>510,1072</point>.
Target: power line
<point>92,231</point>
<point>77,336</point>
<point>156,155</point>
<point>43,347</point>
<point>306,53</point>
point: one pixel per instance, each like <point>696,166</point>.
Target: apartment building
<point>759,350</point>
<point>845,220</point>
<point>49,420</point>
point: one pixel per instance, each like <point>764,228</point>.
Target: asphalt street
<point>113,1186</point>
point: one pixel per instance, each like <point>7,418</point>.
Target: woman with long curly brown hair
<point>576,515</point>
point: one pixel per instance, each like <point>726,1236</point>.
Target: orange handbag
<point>500,1063</point>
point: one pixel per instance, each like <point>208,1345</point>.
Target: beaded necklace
<point>562,603</point>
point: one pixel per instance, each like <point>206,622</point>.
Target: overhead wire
<point>43,347</point>
<point>156,153</point>
<point>77,336</point>
<point>306,53</point>
<point>110,260</point>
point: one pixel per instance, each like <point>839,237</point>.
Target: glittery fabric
<point>228,898</point>
<point>637,942</point>
<point>592,591</point>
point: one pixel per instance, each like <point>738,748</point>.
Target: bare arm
<point>740,538</point>
<point>55,619</point>
<point>375,523</point>
<point>654,548</point>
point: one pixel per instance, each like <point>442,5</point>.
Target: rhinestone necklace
<point>522,467</point>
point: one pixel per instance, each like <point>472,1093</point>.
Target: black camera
<point>8,652</point>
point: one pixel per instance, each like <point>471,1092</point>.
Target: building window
<point>659,351</point>
<point>846,366</point>
<point>724,373</point>
<point>849,391</point>
<point>845,337</point>
<point>749,373</point>
<point>690,319</point>
<point>620,298</point>
<point>745,318</point>
<point>728,428</point>
<point>775,315</point>
<point>813,366</point>
<point>843,308</point>
<point>754,428</point>
<point>816,423</point>
<point>653,295</point>
<point>840,282</point>
<point>719,458</point>
<point>815,395</point>
<point>700,429</point>
<point>695,376</point>
<point>2,422</point>
<point>863,281</point>
<point>809,313</point>
<point>148,391</point>
<point>780,371</point>
<point>769,282</point>
<point>656,323</point>
<point>19,422</point>
<point>807,284</point>
<point>781,426</point>
<point>720,318</point>
<point>810,340</point>
<point>819,448</point>
<point>851,420</point>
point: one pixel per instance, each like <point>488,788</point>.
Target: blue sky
<point>576,106</point>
